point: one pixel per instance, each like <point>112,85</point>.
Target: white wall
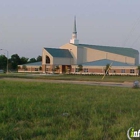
<point>93,55</point>
<point>62,61</point>
<point>73,50</point>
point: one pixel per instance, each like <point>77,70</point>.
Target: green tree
<point>23,60</point>
<point>57,68</point>
<point>15,61</point>
<point>19,67</point>
<point>32,60</point>
<point>39,58</point>
<point>80,68</point>
<point>107,68</point>
<point>3,62</point>
<point>40,68</point>
<point>24,67</point>
<point>53,70</point>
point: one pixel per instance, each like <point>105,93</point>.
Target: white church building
<point>92,58</point>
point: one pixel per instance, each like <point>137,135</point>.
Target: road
<point>125,84</point>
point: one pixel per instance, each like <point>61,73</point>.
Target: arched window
<point>47,59</point>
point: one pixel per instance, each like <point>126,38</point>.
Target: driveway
<point>125,84</point>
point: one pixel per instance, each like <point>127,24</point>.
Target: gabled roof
<point>104,62</point>
<point>63,53</point>
<point>117,50</point>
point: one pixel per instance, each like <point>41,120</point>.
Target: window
<point>76,70</point>
<point>85,70</point>
<point>68,68</point>
<point>123,71</point>
<point>132,71</point>
<point>36,69</point>
<point>47,59</point>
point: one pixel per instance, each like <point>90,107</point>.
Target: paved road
<point>125,84</point>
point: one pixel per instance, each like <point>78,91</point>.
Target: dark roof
<point>117,50</point>
<point>63,53</point>
<point>34,64</point>
<point>104,62</point>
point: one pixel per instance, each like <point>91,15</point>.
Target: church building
<point>92,58</point>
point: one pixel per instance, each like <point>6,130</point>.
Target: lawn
<point>49,111</point>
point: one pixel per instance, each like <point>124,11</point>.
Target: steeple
<point>74,29</point>
<point>74,39</point>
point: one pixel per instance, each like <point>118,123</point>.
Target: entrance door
<point>63,68</point>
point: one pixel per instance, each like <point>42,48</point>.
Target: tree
<point>32,60</point>
<point>40,68</point>
<point>39,58</point>
<point>57,68</point>
<point>107,68</point>
<point>15,61</point>
<point>19,67</point>
<point>23,60</point>
<point>24,67</point>
<point>138,68</point>
<point>53,70</point>
<point>3,62</point>
<point>80,68</point>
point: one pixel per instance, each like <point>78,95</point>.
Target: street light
<point>7,58</point>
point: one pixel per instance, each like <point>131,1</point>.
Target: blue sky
<point>26,26</point>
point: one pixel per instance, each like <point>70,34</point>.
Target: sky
<point>26,26</point>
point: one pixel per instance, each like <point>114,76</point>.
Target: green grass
<point>48,111</point>
<point>73,77</point>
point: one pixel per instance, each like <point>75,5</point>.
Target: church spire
<point>74,39</point>
<point>74,30</point>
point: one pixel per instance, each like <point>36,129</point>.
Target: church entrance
<point>66,68</point>
<point>63,68</point>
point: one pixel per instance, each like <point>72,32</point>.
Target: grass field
<point>48,111</point>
